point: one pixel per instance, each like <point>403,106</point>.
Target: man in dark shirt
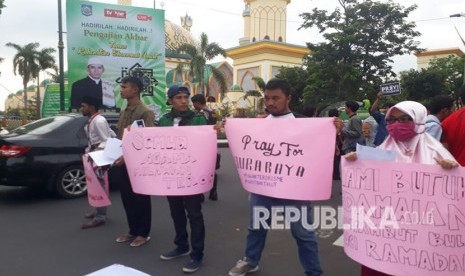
<point>188,206</point>
<point>138,207</point>
<point>93,86</point>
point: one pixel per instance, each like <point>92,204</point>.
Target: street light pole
<point>460,15</point>
<point>61,46</point>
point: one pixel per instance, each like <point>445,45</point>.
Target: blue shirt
<point>433,127</point>
<point>382,131</point>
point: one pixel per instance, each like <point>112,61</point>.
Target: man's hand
<point>351,156</point>
<point>339,124</point>
<point>119,162</point>
<point>446,164</point>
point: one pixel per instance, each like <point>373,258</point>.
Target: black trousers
<point>138,207</point>
<point>183,208</point>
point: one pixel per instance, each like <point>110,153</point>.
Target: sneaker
<point>191,266</point>
<point>173,254</point>
<point>242,268</point>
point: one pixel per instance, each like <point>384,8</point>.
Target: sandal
<point>139,241</point>
<point>125,238</point>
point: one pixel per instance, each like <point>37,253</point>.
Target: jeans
<point>305,238</point>
<point>191,204</point>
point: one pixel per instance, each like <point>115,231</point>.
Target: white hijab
<point>422,148</point>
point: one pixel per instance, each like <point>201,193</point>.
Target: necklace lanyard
<point>90,121</point>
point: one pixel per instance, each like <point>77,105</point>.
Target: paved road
<point>41,235</point>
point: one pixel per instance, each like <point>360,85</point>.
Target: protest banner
<point>404,219</point>
<point>291,159</point>
<point>97,196</point>
<point>171,160</point>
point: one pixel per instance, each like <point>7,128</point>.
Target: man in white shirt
<point>277,99</point>
<point>98,131</point>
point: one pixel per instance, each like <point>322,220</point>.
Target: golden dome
<point>175,36</point>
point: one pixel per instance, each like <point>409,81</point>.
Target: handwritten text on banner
<point>288,158</point>
<point>171,160</point>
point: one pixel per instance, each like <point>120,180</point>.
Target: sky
<point>25,21</point>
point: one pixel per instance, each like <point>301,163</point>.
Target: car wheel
<point>71,182</point>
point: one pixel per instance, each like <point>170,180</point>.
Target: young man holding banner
<point>277,98</point>
<point>189,206</point>
<point>137,206</point>
<point>98,131</point>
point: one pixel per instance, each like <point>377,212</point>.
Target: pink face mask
<point>402,131</point>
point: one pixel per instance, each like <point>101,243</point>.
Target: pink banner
<point>171,160</point>
<point>288,158</point>
<point>404,219</point>
<point>97,196</point>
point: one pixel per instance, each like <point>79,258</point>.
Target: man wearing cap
<point>185,207</point>
<point>93,86</point>
<point>98,131</point>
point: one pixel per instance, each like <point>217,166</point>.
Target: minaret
<point>125,2</point>
<point>264,20</point>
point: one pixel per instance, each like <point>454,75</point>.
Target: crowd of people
<point>405,128</point>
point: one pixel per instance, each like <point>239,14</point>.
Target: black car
<point>47,153</point>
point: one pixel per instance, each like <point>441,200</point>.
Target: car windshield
<point>43,126</point>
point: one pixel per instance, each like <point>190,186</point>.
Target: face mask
<point>402,131</point>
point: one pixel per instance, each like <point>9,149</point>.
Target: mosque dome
<point>175,36</point>
<point>236,88</point>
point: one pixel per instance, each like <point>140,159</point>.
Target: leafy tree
<point>24,64</point>
<point>361,39</point>
<point>2,5</point>
<point>297,77</point>
<point>442,77</point>
<point>45,61</point>
<point>200,55</point>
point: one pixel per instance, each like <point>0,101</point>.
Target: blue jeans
<point>305,238</point>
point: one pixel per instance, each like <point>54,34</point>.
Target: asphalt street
<point>41,235</point>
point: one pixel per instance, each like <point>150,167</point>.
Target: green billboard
<point>109,42</point>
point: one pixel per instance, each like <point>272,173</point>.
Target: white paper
<point>369,153</point>
<point>138,124</point>
<point>339,241</point>
<point>117,270</point>
<point>113,148</point>
<point>100,159</point>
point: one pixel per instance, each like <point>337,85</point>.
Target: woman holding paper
<point>406,126</point>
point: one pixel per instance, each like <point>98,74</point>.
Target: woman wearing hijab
<point>369,130</point>
<point>406,126</point>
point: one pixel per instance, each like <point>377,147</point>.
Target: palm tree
<point>257,93</point>
<point>24,64</point>
<point>200,55</point>
<point>44,61</point>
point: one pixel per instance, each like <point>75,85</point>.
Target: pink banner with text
<point>171,160</point>
<point>284,158</point>
<point>96,194</point>
<point>404,219</point>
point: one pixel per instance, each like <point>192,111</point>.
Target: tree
<point>361,39</point>
<point>297,77</point>
<point>24,64</point>
<point>442,77</point>
<point>200,55</point>
<point>2,5</point>
<point>45,61</point>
